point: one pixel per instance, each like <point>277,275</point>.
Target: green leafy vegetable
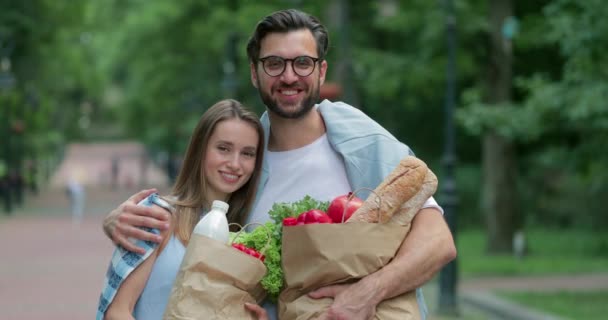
<point>282,210</point>
<point>258,240</point>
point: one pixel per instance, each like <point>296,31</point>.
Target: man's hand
<point>124,222</point>
<point>257,311</point>
<point>428,247</point>
<point>351,301</point>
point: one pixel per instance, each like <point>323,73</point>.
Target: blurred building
<point>94,164</point>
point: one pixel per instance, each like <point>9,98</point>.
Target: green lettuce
<point>257,239</point>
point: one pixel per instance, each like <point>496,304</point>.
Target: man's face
<point>289,95</point>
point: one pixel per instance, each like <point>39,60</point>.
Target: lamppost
<point>449,276</point>
<point>230,65</point>
<point>7,81</point>
<point>18,128</point>
<point>344,72</point>
<point>229,68</point>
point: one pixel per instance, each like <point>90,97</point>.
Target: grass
<point>568,305</point>
<point>550,252</point>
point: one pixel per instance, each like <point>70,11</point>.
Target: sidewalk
<point>477,299</point>
<point>478,292</point>
<point>52,269</point>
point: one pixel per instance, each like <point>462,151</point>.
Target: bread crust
<point>399,186</point>
<point>408,210</point>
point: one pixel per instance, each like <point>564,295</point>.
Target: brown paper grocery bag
<point>214,282</point>
<point>318,255</point>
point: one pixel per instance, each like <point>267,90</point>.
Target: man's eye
<point>274,64</point>
<point>303,63</point>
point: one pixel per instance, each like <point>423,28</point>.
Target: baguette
<point>399,186</point>
<point>408,210</point>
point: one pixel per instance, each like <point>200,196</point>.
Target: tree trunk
<point>499,194</point>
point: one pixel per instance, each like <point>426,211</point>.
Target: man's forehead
<point>289,44</point>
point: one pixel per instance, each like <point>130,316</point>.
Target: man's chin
<point>287,110</point>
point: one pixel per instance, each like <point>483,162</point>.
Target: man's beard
<point>305,106</point>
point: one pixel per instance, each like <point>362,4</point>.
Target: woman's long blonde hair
<point>190,188</point>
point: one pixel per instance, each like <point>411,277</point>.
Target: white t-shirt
<point>316,170</point>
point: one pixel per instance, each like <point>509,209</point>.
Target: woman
<point>222,162</point>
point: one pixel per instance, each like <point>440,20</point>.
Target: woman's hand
<point>257,311</point>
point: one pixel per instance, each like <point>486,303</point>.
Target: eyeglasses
<point>303,66</point>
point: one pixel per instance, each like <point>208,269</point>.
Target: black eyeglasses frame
<point>315,61</point>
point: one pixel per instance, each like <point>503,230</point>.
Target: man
<point>323,151</point>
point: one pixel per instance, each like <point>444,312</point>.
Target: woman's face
<point>230,157</point>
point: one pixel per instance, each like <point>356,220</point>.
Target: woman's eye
<point>223,148</point>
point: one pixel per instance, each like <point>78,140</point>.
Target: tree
<point>498,192</point>
<point>556,117</point>
<point>571,116</point>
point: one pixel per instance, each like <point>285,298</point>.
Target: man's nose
<point>289,76</point>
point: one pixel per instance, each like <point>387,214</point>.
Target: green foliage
<point>399,64</point>
<point>468,180</point>
<point>167,60</point>
<point>558,117</point>
<point>153,67</point>
<point>506,119</point>
<point>51,69</point>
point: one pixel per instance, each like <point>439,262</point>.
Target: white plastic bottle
<point>214,224</point>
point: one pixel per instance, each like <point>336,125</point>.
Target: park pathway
<point>51,268</point>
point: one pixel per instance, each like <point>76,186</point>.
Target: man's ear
<point>322,72</point>
<point>254,75</point>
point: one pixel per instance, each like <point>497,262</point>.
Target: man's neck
<point>290,134</point>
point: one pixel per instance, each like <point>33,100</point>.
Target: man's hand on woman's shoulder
<point>125,221</point>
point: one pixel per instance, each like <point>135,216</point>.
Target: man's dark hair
<point>283,22</point>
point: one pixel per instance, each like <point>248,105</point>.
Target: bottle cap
<point>220,205</point>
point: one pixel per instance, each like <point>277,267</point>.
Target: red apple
<point>342,207</point>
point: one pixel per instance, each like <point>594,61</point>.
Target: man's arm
<point>125,221</point>
<point>426,249</point>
